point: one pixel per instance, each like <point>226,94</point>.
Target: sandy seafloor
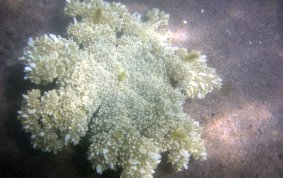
<point>243,122</point>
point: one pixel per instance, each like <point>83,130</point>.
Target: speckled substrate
<point>243,122</point>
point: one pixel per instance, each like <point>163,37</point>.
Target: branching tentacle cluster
<point>123,68</point>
